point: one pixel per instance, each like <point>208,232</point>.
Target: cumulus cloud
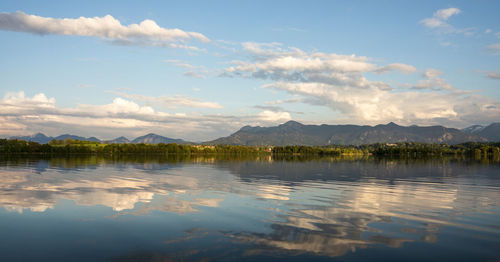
<point>13,100</point>
<point>380,106</point>
<point>271,116</point>
<point>296,65</point>
<point>22,115</point>
<point>171,101</point>
<point>106,27</point>
<point>431,73</point>
<point>338,82</point>
<point>438,20</point>
<point>432,81</point>
<point>444,14</point>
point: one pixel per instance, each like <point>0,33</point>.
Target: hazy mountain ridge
<point>156,139</point>
<point>73,137</point>
<point>294,133</point>
<point>118,140</point>
<point>38,137</point>
<point>148,139</point>
<point>473,129</point>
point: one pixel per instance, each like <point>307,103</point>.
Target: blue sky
<point>92,68</point>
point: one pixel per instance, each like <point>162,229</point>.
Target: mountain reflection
<point>326,207</point>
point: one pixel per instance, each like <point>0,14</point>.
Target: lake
<point>208,209</point>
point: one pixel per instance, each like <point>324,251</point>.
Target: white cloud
<point>433,22</point>
<point>487,31</point>
<point>172,101</point>
<point>374,105</point>
<point>438,20</point>
<point>21,115</point>
<point>439,23</point>
<point>444,14</point>
<point>117,107</point>
<point>493,75</point>
<point>265,49</point>
<point>432,73</point>
<point>18,99</point>
<point>106,27</point>
<point>403,68</point>
<point>432,81</point>
<point>296,65</point>
<point>338,82</point>
<point>271,116</point>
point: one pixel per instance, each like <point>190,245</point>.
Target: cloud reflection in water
<point>321,207</point>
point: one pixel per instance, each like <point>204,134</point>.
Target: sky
<point>199,70</point>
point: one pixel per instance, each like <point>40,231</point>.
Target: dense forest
<point>68,146</point>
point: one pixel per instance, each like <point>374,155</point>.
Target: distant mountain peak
<point>292,123</point>
<point>390,124</point>
<point>152,138</point>
<point>491,132</point>
<point>473,129</point>
<point>119,140</point>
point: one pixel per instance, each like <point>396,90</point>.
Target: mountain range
<point>295,133</point>
<point>148,139</point>
<point>156,139</point>
<point>43,139</point>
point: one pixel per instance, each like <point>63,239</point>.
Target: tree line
<point>69,146</point>
<point>408,149</point>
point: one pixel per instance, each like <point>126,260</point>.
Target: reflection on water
<point>160,209</point>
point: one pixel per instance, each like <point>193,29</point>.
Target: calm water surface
<point>93,209</point>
